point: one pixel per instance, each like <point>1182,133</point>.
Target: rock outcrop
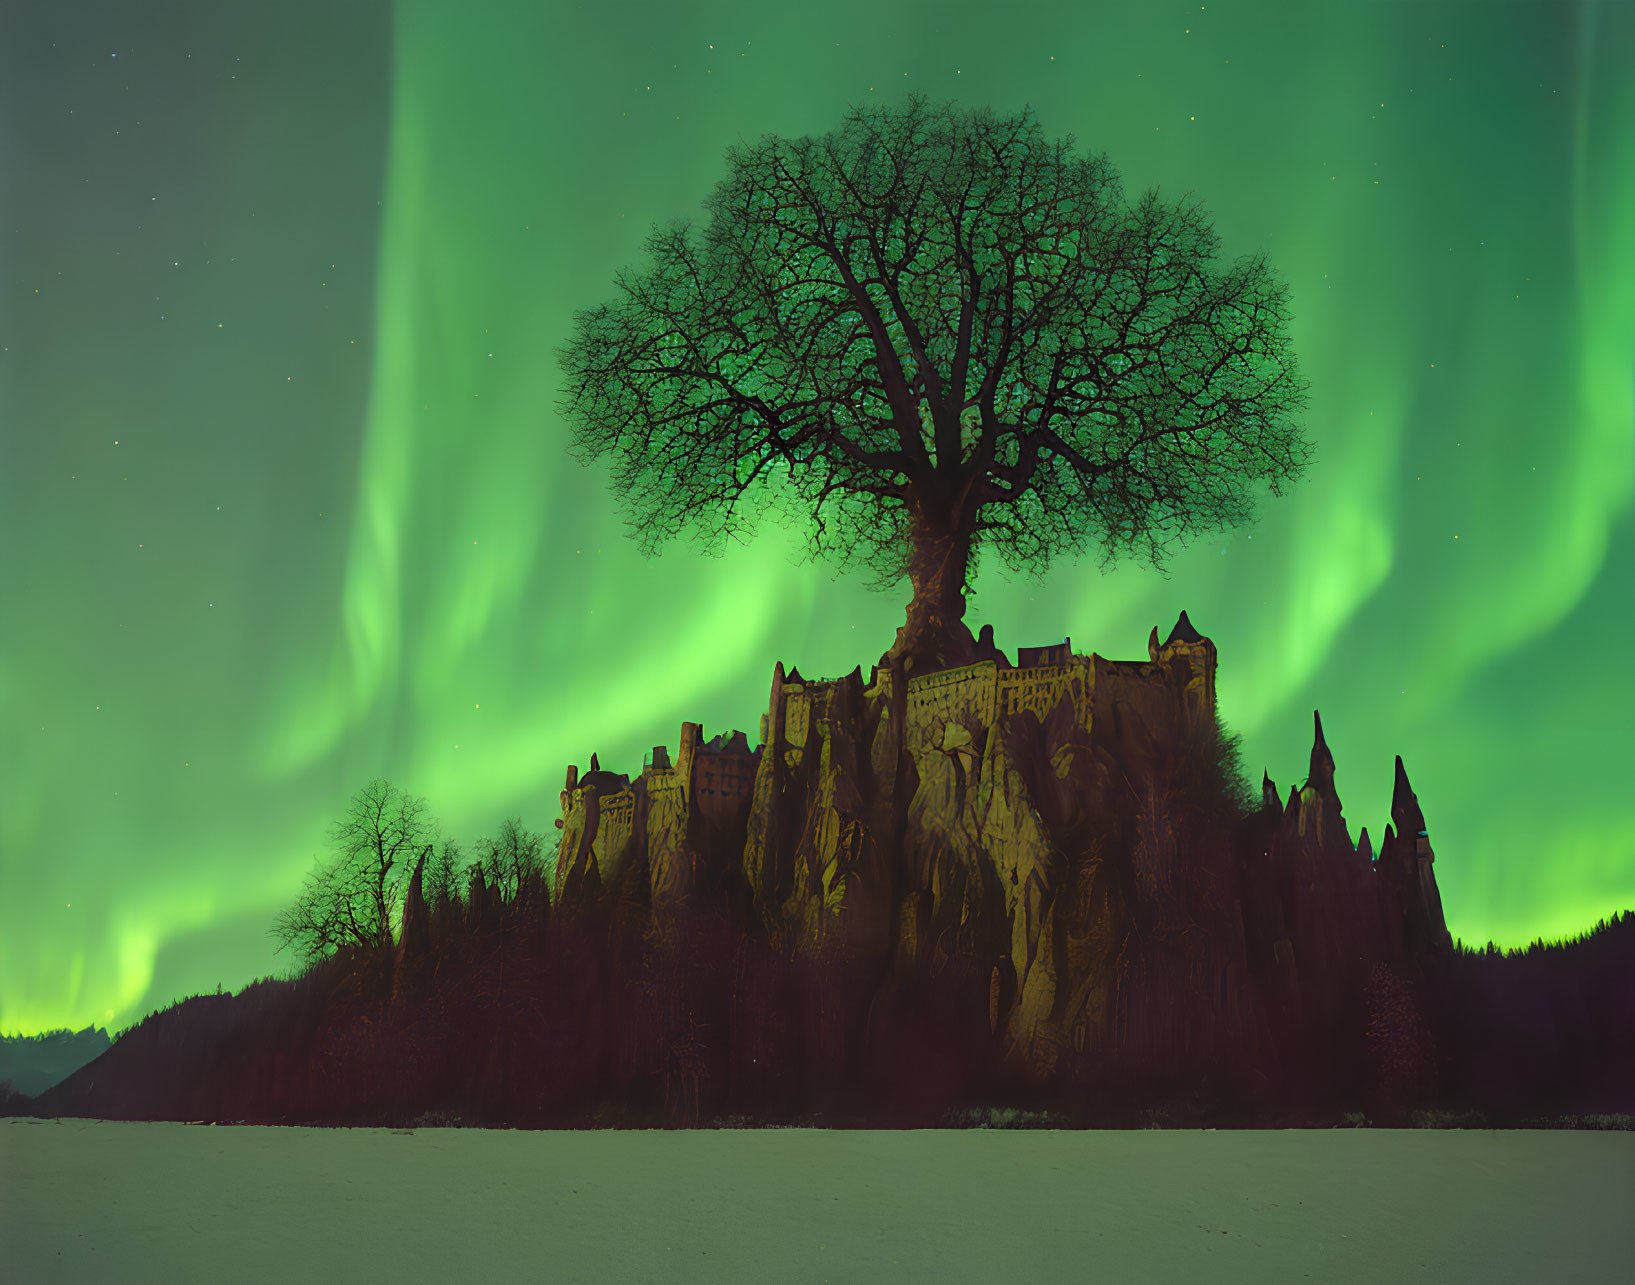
<point>1046,839</point>
<point>1411,897</point>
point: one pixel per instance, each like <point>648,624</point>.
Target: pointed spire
<point>1410,821</point>
<point>1268,790</point>
<point>1365,849</point>
<point>594,765</point>
<point>1321,773</point>
<point>1183,632</point>
<point>1152,644</point>
<point>777,672</point>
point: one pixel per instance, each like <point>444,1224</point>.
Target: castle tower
<point>1194,659</point>
<point>686,753</point>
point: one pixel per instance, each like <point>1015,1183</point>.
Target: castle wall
<point>937,699</point>
<point>722,786</point>
<point>661,780</point>
<point>1132,690</point>
<point>614,826</point>
<point>804,704</point>
<point>571,841</point>
<point>709,784</point>
<point>1194,666</point>
<point>669,858</point>
<point>1181,675</point>
<point>1040,687</point>
<point>716,784</point>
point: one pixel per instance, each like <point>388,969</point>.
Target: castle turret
<point>581,824</point>
<point>1183,632</point>
<point>692,734</point>
<point>1192,657</point>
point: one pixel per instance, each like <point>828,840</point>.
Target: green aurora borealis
<point>286,502</point>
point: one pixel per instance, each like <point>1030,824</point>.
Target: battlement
<point>1183,666</point>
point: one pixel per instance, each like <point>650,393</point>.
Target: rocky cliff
<point>1059,849</point>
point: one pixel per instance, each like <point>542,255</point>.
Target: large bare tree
<point>352,895</point>
<point>932,331</point>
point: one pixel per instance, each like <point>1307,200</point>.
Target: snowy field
<point>83,1200</point>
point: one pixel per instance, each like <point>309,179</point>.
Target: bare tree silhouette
<point>352,896</point>
<point>513,862</point>
<point>931,332</point>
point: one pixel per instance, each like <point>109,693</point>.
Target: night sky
<point>286,504</point>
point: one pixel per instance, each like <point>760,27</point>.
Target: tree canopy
<point>352,896</point>
<point>932,332</point>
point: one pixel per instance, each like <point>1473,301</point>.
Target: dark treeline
<point>520,1013</point>
<point>505,992</point>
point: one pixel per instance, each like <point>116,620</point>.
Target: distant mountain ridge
<point>33,1063</point>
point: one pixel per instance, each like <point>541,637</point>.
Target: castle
<point>711,784</point>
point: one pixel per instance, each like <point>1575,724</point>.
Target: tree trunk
<point>935,635</point>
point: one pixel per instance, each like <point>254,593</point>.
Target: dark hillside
<point>1044,886</point>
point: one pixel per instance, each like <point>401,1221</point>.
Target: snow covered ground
<point>83,1200</point>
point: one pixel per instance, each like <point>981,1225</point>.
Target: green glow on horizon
<point>1448,203</point>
